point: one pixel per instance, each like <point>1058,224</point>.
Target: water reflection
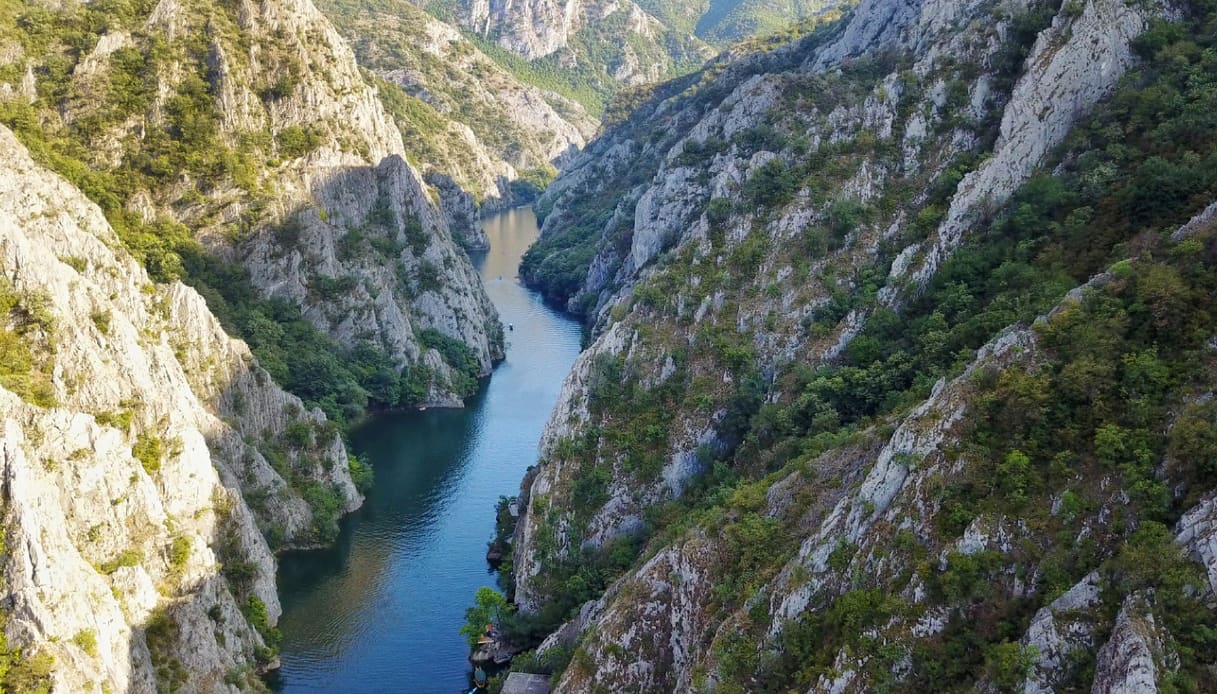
<point>380,611</point>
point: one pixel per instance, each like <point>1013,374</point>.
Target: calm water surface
<point>380,611</point>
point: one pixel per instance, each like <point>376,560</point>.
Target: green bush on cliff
<point>326,504</point>
<point>23,671</point>
<point>465,365</point>
<point>361,473</point>
<point>490,607</point>
<point>26,355</point>
<point>295,141</point>
<point>255,613</point>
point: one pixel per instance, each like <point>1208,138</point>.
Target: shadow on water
<point>381,611</point>
<point>410,482</point>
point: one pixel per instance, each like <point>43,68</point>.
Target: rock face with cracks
<point>127,495</point>
<point>736,245</point>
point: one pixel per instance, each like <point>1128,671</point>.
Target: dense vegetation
<point>1116,372</point>
<point>1115,391</point>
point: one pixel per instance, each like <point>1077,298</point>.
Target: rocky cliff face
<point>145,467</point>
<point>797,456</point>
<point>464,118</point>
<point>729,136</point>
<point>629,45</point>
<point>251,124</point>
<point>532,30</point>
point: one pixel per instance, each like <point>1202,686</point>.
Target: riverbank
<point>381,611</point>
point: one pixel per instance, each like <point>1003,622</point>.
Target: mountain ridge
<point>820,440</point>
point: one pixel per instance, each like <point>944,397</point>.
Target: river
<point>380,612</point>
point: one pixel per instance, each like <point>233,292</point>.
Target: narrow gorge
<point>852,346</point>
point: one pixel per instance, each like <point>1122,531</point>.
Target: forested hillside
<point>720,22</point>
<point>902,365</point>
<point>594,51</point>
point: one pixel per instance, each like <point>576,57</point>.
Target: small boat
<point>479,678</point>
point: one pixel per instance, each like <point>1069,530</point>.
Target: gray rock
<point>1133,656</point>
<point>90,527</point>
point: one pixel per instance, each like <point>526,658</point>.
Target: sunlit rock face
<point>708,239</point>
<point>126,482</point>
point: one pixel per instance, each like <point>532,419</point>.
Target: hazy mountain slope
<point>816,443</point>
<point>723,21</point>
<point>595,47</point>
<point>461,115</point>
<point>249,128</point>
<point>143,450</point>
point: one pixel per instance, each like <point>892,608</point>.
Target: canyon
<point>898,356</point>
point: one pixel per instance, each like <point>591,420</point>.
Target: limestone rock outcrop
<point>142,481</point>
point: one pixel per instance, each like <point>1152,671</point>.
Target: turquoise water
<point>380,612</point>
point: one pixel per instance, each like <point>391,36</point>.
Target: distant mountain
<point>462,116</point>
<point>604,46</point>
<point>594,47</point>
<point>719,22</point>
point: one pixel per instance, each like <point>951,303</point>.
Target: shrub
<point>299,435</point>
<point>26,358</point>
<point>126,558</point>
<point>1007,664</point>
<point>179,552</point>
<point>771,185</point>
<point>24,674</point>
<point>326,504</point>
<point>86,640</point>
<point>490,607</point>
<point>457,355</point>
<point>361,473</point>
<point>255,612</point>
<point>149,450</point>
<point>295,141</point>
<point>718,210</point>
<point>101,319</point>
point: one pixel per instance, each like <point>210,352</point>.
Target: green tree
<point>490,607</point>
